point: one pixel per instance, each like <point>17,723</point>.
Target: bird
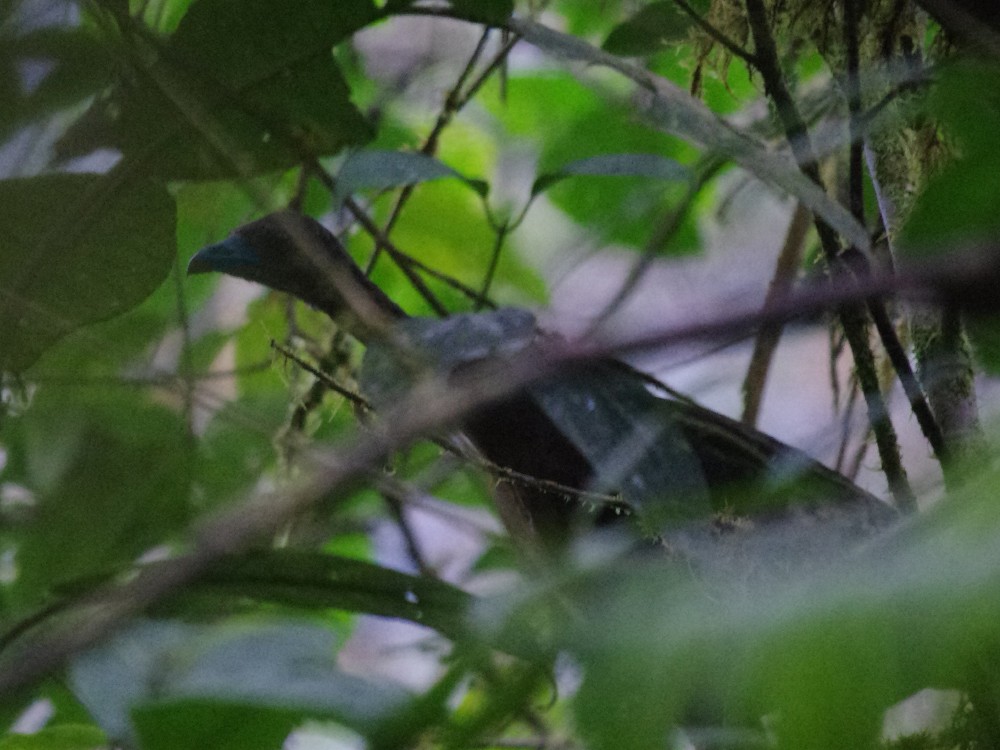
<point>699,464</point>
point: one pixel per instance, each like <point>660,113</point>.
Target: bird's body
<point>598,427</point>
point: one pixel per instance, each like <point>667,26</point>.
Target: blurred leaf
<point>164,673</point>
<point>59,737</point>
<point>616,165</point>
<point>648,30</point>
<point>585,133</point>
<point>322,581</point>
<point>69,65</point>
<point>99,501</point>
<point>984,332</point>
<point>827,648</point>
<point>182,724</point>
<point>389,169</point>
<point>233,455</point>
<point>76,249</point>
<point>240,89</point>
<point>958,207</point>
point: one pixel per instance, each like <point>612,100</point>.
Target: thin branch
<point>454,102</point>
<point>501,472</point>
<point>395,505</point>
<point>911,386</point>
<point>355,398</point>
<point>852,315</point>
<point>855,182</point>
<point>501,236</point>
<point>789,261</point>
<point>405,261</point>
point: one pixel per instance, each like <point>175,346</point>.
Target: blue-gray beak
<point>232,255</point>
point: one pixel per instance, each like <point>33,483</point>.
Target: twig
<point>852,315</point>
<point>503,472</point>
<point>395,505</point>
<point>789,260</point>
<point>454,102</point>
<point>355,398</point>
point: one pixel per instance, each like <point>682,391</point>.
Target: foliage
<point>196,500</point>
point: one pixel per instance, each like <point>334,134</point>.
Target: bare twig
<point>789,261</point>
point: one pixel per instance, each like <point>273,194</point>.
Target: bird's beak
<point>229,256</point>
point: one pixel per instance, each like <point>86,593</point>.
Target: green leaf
<point>76,249</point>
<point>322,581</point>
<point>240,89</point>
<point>616,165</point>
<point>61,737</point>
<point>160,674</point>
<point>78,66</point>
<point>654,26</point>
<point>958,206</point>
<point>380,170</point>
<point>670,109</point>
<point>189,723</point>
<point>827,645</point>
<point>444,226</point>
<point>98,499</point>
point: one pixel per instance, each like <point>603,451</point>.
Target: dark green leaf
<point>958,206</point>
<point>492,12</point>
<point>242,88</point>
<point>656,25</point>
<point>189,723</point>
<point>76,65</point>
<point>323,581</point>
<point>99,499</point>
<point>76,249</point>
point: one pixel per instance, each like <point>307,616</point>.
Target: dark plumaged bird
<point>702,461</point>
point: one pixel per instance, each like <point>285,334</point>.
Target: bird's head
<point>293,253</point>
